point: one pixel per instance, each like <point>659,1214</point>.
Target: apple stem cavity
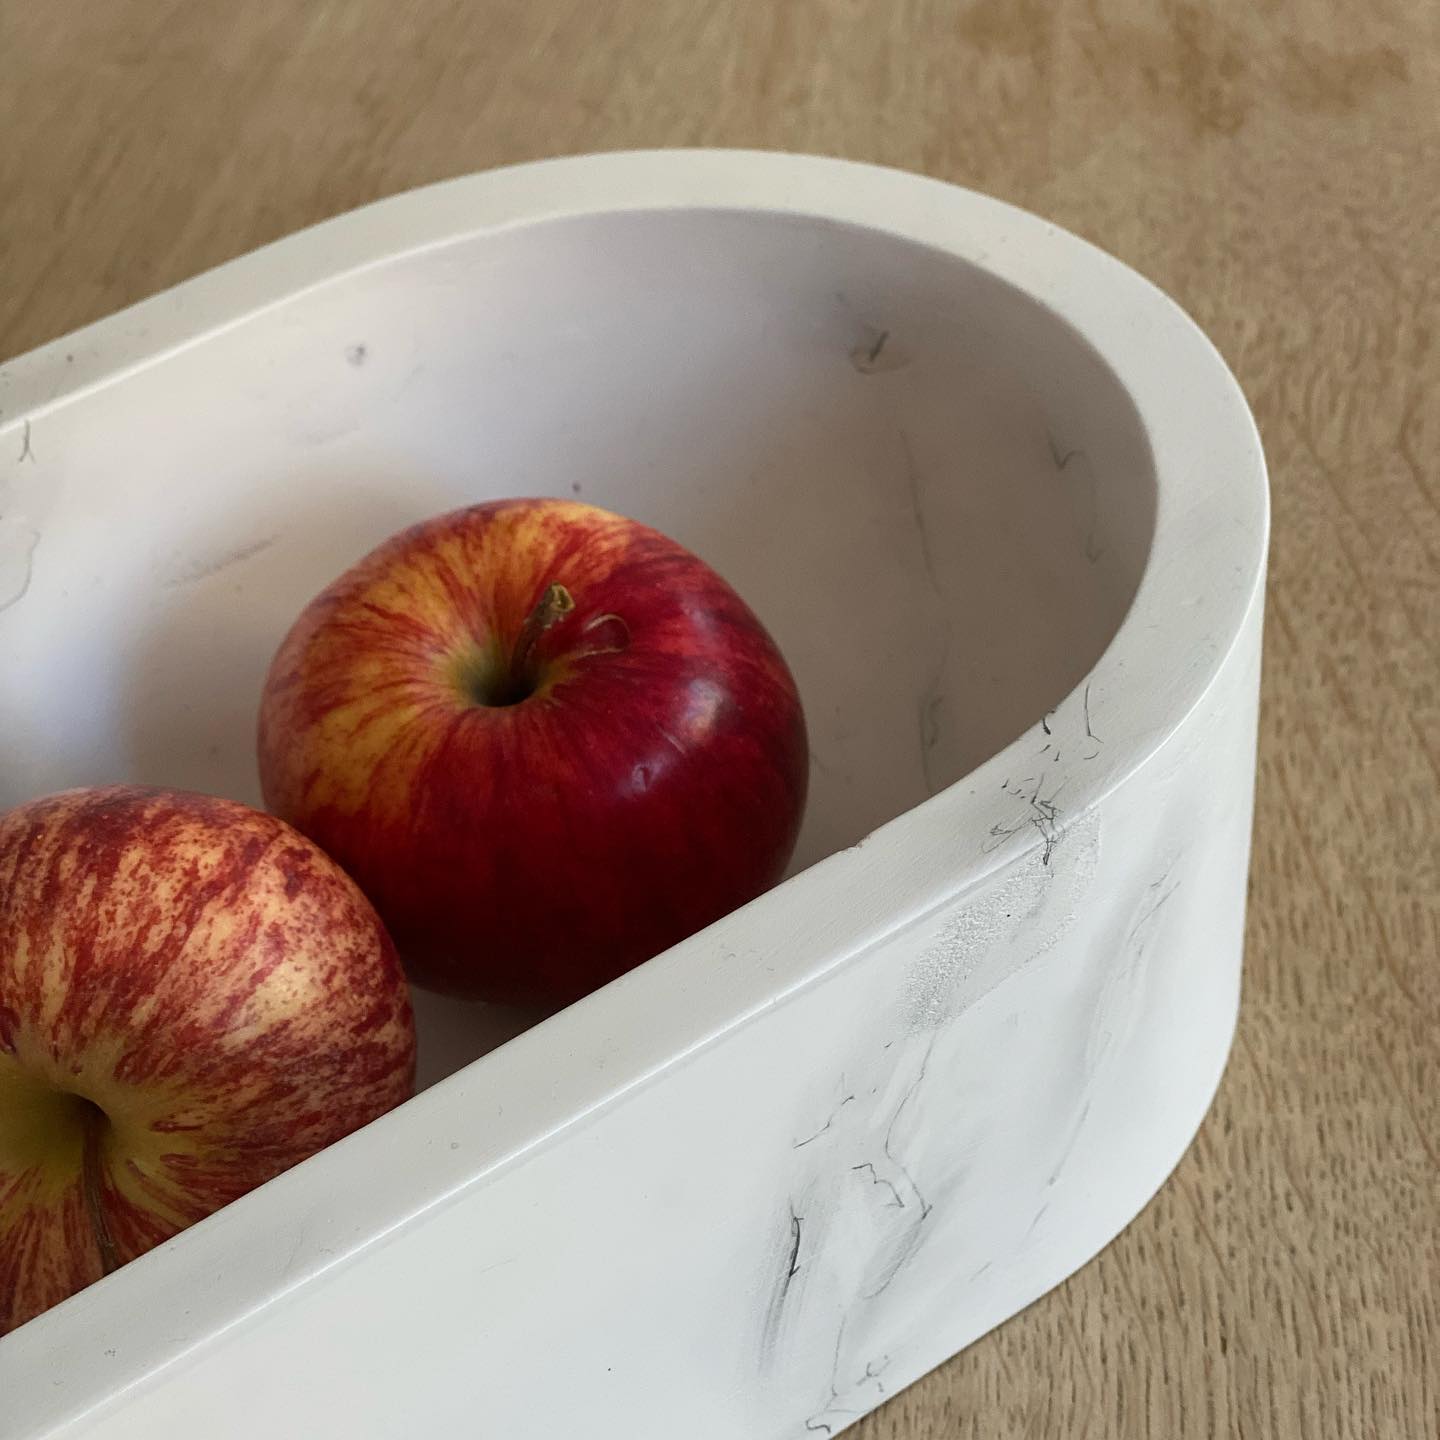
<point>494,682</point>
<point>94,1125</point>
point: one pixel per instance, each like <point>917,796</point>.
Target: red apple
<point>192,999</point>
<point>548,742</point>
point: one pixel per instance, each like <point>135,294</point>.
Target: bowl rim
<point>1198,595</point>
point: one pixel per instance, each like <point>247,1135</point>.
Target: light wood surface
<point>1277,169</point>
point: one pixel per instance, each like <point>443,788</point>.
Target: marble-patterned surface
<point>797,1161</point>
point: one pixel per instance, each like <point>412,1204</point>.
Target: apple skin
<point>534,816</point>
<point>192,999</point>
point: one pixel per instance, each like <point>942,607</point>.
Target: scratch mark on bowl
<point>18,544</point>
<point>198,570</point>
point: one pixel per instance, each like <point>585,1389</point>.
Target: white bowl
<point>1004,509</point>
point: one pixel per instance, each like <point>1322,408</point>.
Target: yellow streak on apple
<point>372,741</point>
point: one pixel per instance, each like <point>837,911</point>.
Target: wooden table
<point>1277,169</point>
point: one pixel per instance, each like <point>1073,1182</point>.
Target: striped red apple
<point>192,999</point>
<point>548,741</point>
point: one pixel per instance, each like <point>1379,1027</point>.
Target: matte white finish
<point>1004,509</point>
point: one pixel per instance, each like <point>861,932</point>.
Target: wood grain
<point>1277,169</point>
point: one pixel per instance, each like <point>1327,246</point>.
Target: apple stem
<point>553,605</point>
<point>94,1124</point>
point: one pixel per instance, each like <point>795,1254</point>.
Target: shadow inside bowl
<point>935,494</point>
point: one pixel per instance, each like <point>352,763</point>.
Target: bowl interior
<point>935,494</point>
